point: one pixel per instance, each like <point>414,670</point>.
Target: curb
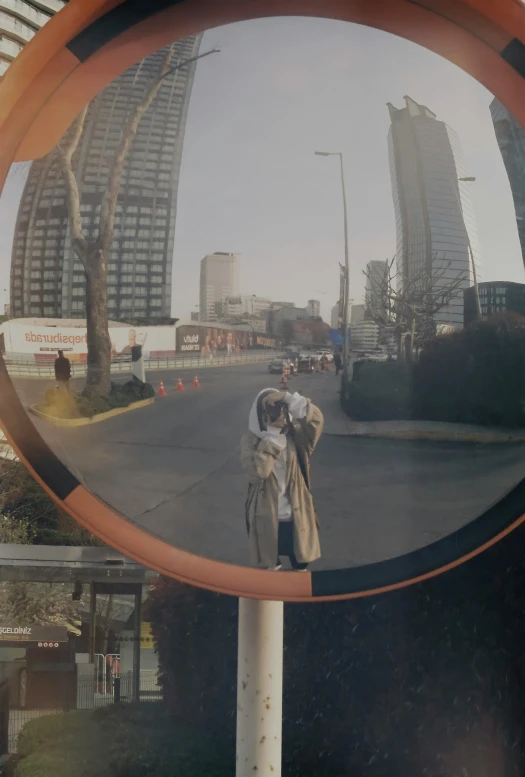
<point>74,422</point>
<point>472,437</point>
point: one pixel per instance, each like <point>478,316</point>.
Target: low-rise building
<point>364,336</point>
<point>495,297</point>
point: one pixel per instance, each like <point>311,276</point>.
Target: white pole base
<point>260,688</point>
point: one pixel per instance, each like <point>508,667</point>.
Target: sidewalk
<point>323,390</point>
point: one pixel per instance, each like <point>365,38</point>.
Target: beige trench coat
<point>258,458</point>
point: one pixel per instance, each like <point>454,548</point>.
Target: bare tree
<point>43,603</point>
<point>108,610</point>
<point>93,253</point>
<point>406,307</point>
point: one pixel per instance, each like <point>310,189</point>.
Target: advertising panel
<point>45,341</point>
<point>156,341</point>
<point>209,341</point>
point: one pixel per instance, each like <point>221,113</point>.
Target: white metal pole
<point>347,275</point>
<point>259,688</point>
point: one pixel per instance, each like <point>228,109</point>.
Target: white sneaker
<point>276,568</point>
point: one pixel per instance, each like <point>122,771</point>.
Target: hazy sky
<point>250,183</point>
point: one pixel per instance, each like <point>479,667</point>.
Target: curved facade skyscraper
<point>434,214</point>
<point>20,20</point>
<point>46,278</point>
<point>511,142</point>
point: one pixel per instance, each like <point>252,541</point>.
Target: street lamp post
<point>469,179</point>
<point>347,265</point>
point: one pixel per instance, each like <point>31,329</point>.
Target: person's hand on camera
<point>272,399</point>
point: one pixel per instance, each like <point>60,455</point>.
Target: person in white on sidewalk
<point>284,429</point>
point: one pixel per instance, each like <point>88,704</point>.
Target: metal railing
<point>84,694</point>
<point>32,370</point>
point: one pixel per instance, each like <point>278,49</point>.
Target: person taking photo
<point>281,519</point>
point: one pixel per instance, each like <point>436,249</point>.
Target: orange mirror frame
<point>88,44</point>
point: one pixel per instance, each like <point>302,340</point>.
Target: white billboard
<point>42,341</point>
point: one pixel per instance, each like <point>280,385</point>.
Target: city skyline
<point>253,185</point>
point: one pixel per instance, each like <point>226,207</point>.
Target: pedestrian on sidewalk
<point>62,371</point>
<point>338,361</point>
<point>281,520</point>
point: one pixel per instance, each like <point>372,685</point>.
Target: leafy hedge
<point>379,391</point>
<point>429,680</point>
<point>75,405</point>
<point>476,376</point>
<point>22,499</point>
<point>126,740</point>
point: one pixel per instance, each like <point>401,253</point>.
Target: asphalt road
<point>173,468</point>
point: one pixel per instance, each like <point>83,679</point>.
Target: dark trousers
<point>285,544</point>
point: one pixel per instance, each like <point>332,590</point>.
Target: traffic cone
<point>196,383</point>
<point>180,387</point>
<point>161,392</point>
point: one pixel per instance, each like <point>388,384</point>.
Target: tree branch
<point>65,155</point>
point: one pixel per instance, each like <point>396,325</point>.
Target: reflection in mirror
<point>233,215</point>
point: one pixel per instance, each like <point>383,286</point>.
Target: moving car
<point>275,366</point>
<point>304,362</point>
<point>317,355</point>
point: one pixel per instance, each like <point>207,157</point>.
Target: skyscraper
<point>335,316</point>
<point>511,142</point>
<point>46,278</point>
<point>19,22</point>
<point>219,280</point>
<point>433,210</point>
<point>313,306</point>
<point>376,277</point>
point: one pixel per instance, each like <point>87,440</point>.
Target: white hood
<point>253,422</point>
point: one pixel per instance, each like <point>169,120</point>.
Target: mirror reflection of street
<point>174,469</point>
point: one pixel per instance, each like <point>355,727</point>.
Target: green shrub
<point>474,376</point>
<point>379,391</point>
<point>23,500</point>
<point>427,680</point>
<point>126,740</point>
<point>73,405</point>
